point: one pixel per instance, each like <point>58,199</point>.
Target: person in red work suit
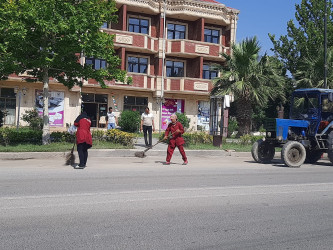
<point>176,129</point>
<point>83,137</point>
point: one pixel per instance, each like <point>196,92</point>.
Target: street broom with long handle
<point>70,157</point>
<point>142,153</point>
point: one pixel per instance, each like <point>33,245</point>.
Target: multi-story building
<point>167,47</point>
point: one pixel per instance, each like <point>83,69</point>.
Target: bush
<point>121,137</point>
<point>245,139</point>
<point>183,119</point>
<point>129,121</point>
<point>197,138</point>
<point>62,137</point>
<point>194,138</point>
<point>232,125</point>
<point>249,139</point>
<point>99,135</point>
<point>10,136</point>
<point>33,119</point>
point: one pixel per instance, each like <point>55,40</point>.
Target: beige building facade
<point>169,59</point>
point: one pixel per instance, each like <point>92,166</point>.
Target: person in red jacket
<point>83,137</point>
<point>176,129</point>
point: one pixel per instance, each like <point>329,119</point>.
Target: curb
<point>117,153</point>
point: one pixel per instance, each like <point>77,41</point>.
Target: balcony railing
<point>179,47</point>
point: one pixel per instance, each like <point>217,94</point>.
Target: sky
<point>260,17</point>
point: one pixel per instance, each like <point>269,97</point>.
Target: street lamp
<point>19,91</point>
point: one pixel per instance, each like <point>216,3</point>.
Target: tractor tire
<point>262,151</point>
<point>293,154</point>
<point>312,156</point>
<point>330,146</point>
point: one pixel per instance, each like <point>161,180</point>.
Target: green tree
<point>251,79</point>
<point>302,49</point>
<point>46,38</point>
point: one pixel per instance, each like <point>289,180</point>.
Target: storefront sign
<point>56,107</point>
<point>170,107</point>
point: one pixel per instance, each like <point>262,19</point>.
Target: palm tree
<point>251,79</point>
<point>310,72</point>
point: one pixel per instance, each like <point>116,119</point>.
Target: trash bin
<point>217,140</point>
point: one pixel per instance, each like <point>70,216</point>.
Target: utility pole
<point>163,65</point>
<point>325,46</point>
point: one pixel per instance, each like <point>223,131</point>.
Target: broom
<point>70,157</point>
<point>142,153</point>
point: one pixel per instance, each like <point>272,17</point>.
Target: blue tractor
<point>305,136</point>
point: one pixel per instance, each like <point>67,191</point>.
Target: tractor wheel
<point>293,154</point>
<point>312,156</point>
<point>330,146</point>
<point>262,151</point>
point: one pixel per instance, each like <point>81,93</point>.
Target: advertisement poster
<point>203,115</point>
<point>56,107</point>
<point>170,107</point>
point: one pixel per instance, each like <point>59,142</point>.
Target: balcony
<point>188,85</point>
<point>191,49</point>
<point>178,48</point>
<point>134,41</point>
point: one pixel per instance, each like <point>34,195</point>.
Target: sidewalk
<point>158,150</point>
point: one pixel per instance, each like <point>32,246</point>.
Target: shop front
<point>96,107</point>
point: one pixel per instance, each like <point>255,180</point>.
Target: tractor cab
<point>314,106</point>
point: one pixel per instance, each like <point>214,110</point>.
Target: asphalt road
<point>133,203</point>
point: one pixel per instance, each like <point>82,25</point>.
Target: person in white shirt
<point>112,119</point>
<point>147,125</point>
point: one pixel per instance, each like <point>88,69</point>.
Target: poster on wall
<point>170,107</point>
<point>56,107</point>
<point>203,115</point>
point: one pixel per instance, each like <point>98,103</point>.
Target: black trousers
<point>82,149</point>
<point>148,129</point>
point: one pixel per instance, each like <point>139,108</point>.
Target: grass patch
<point>225,146</point>
<point>58,147</point>
<point>65,146</point>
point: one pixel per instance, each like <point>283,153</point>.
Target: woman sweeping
<point>83,137</point>
<point>176,129</point>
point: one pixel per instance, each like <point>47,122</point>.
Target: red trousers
<point>170,152</point>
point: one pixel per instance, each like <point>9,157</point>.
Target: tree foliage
<point>129,121</point>
<point>251,79</point>
<point>302,49</point>
<point>183,119</point>
<point>33,119</point>
<point>46,38</point>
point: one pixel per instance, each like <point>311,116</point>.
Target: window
<point>104,25</point>
<point>176,31</point>
<point>135,103</point>
<point>96,63</point>
<point>138,25</point>
<point>137,64</point>
<point>174,69</point>
<point>212,36</point>
<point>90,97</point>
<point>8,105</point>
<point>208,72</point>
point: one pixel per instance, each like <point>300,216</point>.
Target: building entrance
<point>96,107</point>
